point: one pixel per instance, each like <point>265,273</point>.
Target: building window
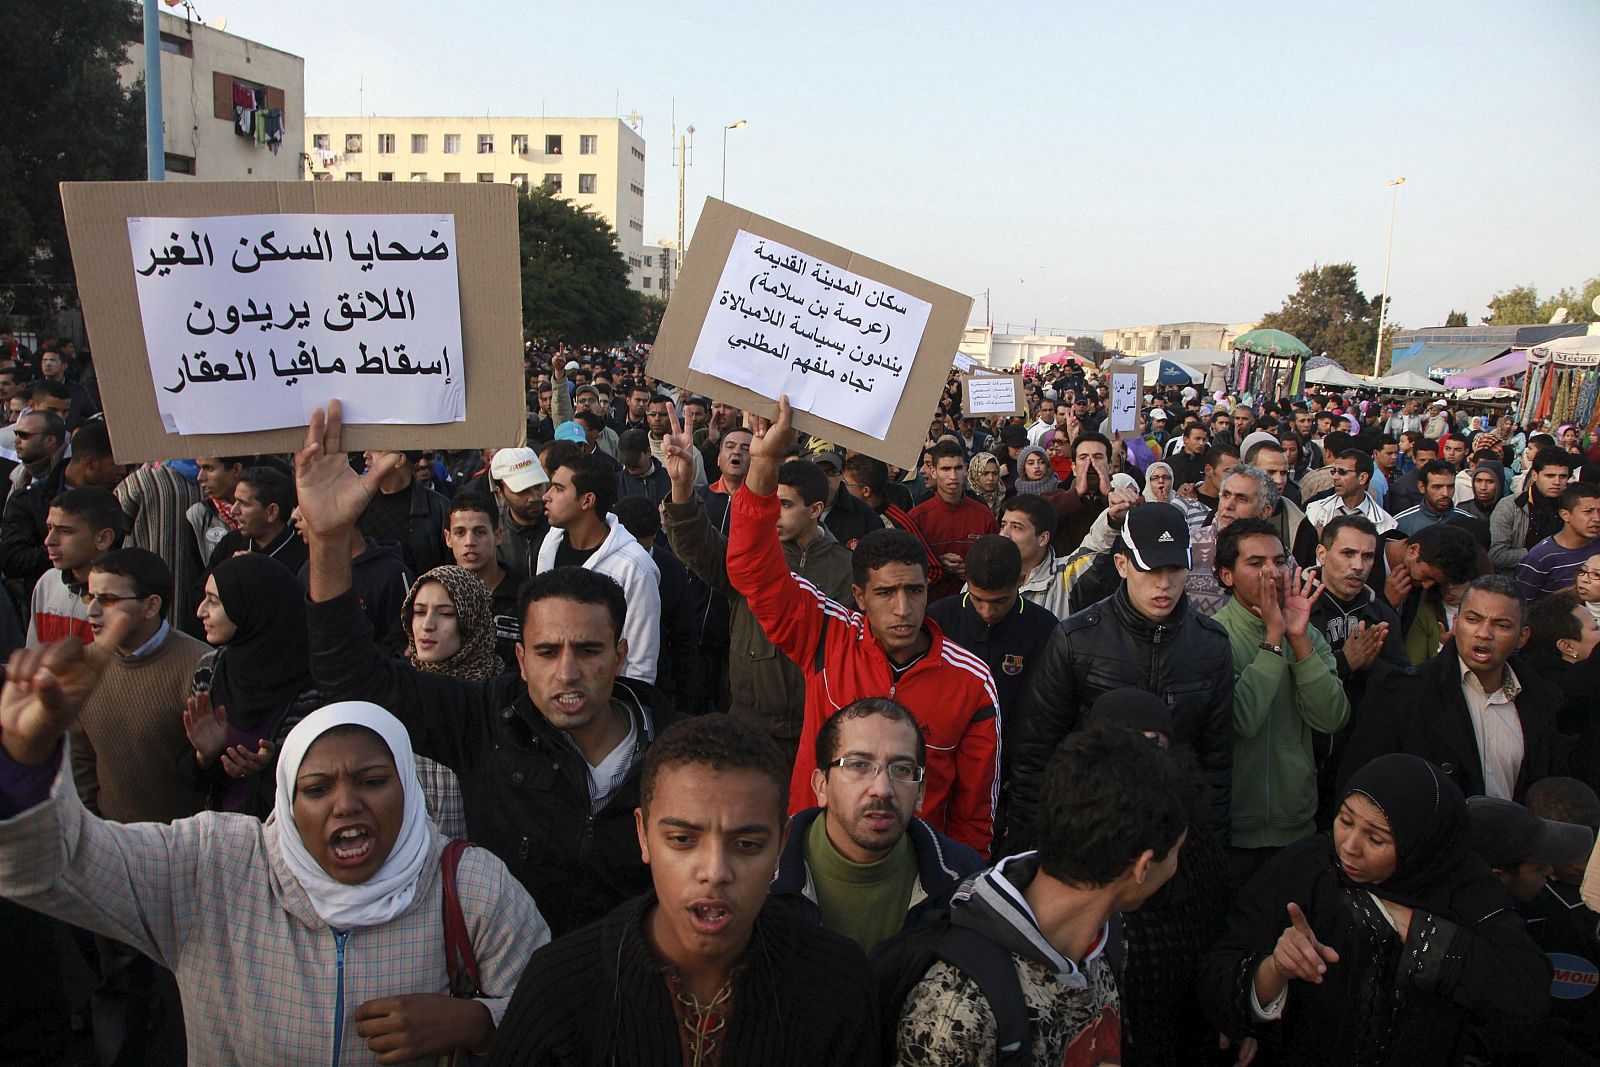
<point>385,144</point>
<point>386,175</point>
<point>322,176</point>
<point>177,164</point>
<point>649,261</point>
<point>519,144</point>
<point>633,261</point>
<point>1166,344</point>
<point>588,144</point>
<point>552,183</point>
<point>452,176</point>
<point>1183,342</point>
<point>419,175</point>
<point>552,144</point>
<point>637,154</point>
<point>647,280</point>
<point>485,143</point>
<point>352,144</point>
<point>419,143</point>
<point>519,180</point>
<point>587,183</point>
<point>635,225</point>
<point>178,46</point>
<point>352,175</point>
<point>319,141</point>
<point>635,188</point>
<point>485,176</point>
<point>452,144</point>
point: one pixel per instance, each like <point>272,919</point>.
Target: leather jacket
<point>1184,659</point>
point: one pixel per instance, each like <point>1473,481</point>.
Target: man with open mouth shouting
<point>706,966</point>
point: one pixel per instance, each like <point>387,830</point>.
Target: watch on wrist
<point>1268,646</point>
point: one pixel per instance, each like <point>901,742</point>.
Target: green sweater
<point>1276,705</point>
<point>865,902</point>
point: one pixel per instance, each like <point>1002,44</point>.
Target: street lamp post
<point>1383,311</point>
<point>731,126</point>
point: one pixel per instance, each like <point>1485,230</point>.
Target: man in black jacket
<point>406,512</point>
<point>990,619</point>
<point>1481,715</point>
<point>549,767</point>
<point>707,967</point>
<point>1143,636</point>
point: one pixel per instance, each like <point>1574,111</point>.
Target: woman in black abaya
<point>1377,943</point>
<point>251,691</point>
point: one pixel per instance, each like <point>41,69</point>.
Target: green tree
<point>1513,307</point>
<point>1330,314</point>
<point>64,116</point>
<point>1086,345</point>
<point>574,280</point>
<point>1456,318</point>
<point>652,309</point>
<point>1521,306</point>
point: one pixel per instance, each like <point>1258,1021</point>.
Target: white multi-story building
<point>597,163</point>
<point>208,78</point>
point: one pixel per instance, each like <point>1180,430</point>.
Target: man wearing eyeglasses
<point>128,749</point>
<point>860,863</point>
<point>1352,474</point>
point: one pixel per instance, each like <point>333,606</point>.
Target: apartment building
<point>597,163</point>
<point>232,108</point>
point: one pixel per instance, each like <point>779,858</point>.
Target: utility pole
<point>1383,310</point>
<point>155,141</point>
<point>682,150</point>
<point>731,126</point>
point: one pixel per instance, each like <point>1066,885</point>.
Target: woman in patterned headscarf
<point>449,630</point>
<point>984,480</point>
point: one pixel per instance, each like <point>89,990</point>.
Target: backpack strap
<point>459,959</point>
<point>996,974</point>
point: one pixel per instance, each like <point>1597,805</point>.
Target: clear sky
<point>1093,165</point>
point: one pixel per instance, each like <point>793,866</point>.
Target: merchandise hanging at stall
<point>1563,381</point>
<point>1268,363</point>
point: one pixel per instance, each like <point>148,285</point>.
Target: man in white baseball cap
<point>519,481</point>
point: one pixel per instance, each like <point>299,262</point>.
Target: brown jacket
<point>768,690</point>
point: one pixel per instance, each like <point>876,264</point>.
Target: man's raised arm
<point>346,663</point>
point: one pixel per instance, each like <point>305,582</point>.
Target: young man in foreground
<point>1049,913</point>
<point>700,970</point>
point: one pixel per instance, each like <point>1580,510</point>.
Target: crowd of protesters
<point>1268,733</point>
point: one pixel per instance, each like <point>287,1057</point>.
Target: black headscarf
<point>267,662</point>
<point>1436,869</point>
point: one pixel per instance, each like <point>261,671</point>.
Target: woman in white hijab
<point>315,937</point>
<point>1158,482</point>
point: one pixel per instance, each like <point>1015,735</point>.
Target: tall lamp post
<point>731,126</point>
<point>1383,311</point>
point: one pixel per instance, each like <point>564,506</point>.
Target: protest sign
<point>1125,383</point>
<point>860,348</point>
<point>984,395</point>
<point>221,314</point>
<point>965,364</point>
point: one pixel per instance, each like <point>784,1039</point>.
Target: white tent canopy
<point>1583,345</point>
<point>1406,382</point>
<point>1336,376</point>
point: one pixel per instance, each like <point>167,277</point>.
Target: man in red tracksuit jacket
<point>888,649</point>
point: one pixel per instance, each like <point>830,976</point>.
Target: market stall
<point>1268,364</point>
<point>1563,381</point>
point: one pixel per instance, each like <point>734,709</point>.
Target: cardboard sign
<point>761,309</point>
<point>987,395</point>
<point>402,299</point>
<point>1125,385</point>
<point>965,364</point>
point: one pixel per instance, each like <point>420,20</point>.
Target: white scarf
<point>388,892</point>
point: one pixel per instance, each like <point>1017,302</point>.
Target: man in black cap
<point>1143,636</point>
<point>1522,848</point>
<point>847,516</point>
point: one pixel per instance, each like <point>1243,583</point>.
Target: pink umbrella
<point>1061,355</point>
